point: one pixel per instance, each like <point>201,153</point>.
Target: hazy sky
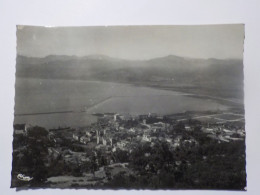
<point>133,42</point>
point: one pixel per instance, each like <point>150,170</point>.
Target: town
<point>135,151</point>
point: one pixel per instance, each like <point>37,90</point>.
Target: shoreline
<point>185,90</point>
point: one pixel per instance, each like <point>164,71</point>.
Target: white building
<point>88,134</point>
<point>84,139</point>
<point>115,117</point>
<point>75,136</point>
<point>104,141</point>
<point>146,138</point>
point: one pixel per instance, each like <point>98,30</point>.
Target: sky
<point>133,42</point>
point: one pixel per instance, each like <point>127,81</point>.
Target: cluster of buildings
<point>125,132</point>
<point>116,132</point>
<point>224,132</point>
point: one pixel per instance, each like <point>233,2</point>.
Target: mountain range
<point>170,71</point>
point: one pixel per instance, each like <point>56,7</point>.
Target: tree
<point>93,164</point>
<point>37,132</point>
<point>121,156</point>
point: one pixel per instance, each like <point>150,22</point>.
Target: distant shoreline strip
<point>42,113</point>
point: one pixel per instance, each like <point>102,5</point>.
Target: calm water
<point>43,96</point>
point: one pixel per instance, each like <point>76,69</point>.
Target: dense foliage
<point>210,165</point>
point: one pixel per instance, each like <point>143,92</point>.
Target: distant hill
<point>169,71</point>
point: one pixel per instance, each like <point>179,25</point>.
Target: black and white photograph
<point>153,107</point>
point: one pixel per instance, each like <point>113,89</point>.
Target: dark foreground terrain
<point>182,151</point>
